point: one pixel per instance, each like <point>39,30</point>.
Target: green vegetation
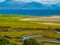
<point>12,44</point>
<point>31,42</point>
<point>15,29</point>
<point>4,41</point>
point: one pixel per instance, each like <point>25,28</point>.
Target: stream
<point>27,37</point>
<point>50,41</point>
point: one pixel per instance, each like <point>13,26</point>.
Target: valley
<point>18,28</point>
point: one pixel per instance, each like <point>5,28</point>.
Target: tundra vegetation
<point>16,31</point>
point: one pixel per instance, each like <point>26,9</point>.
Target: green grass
<point>15,21</point>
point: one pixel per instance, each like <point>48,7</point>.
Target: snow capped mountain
<point>34,5</point>
<point>18,4</point>
<point>11,5</point>
<point>54,6</point>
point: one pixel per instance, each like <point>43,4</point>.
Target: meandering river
<point>34,36</point>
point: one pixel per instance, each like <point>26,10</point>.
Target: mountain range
<point>23,5</point>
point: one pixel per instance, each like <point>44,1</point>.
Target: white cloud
<point>47,1</point>
<point>41,1</point>
<point>24,0</point>
<point>2,1</point>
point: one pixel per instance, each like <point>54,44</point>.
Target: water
<point>27,37</point>
<point>57,32</point>
<point>32,12</point>
<point>51,41</point>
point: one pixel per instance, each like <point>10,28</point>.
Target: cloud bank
<point>41,1</point>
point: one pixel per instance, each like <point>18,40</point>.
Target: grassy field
<point>19,28</point>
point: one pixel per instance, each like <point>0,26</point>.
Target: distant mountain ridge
<point>31,8</point>
<point>34,5</point>
<point>55,6</point>
<point>10,4</point>
<point>31,5</point>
